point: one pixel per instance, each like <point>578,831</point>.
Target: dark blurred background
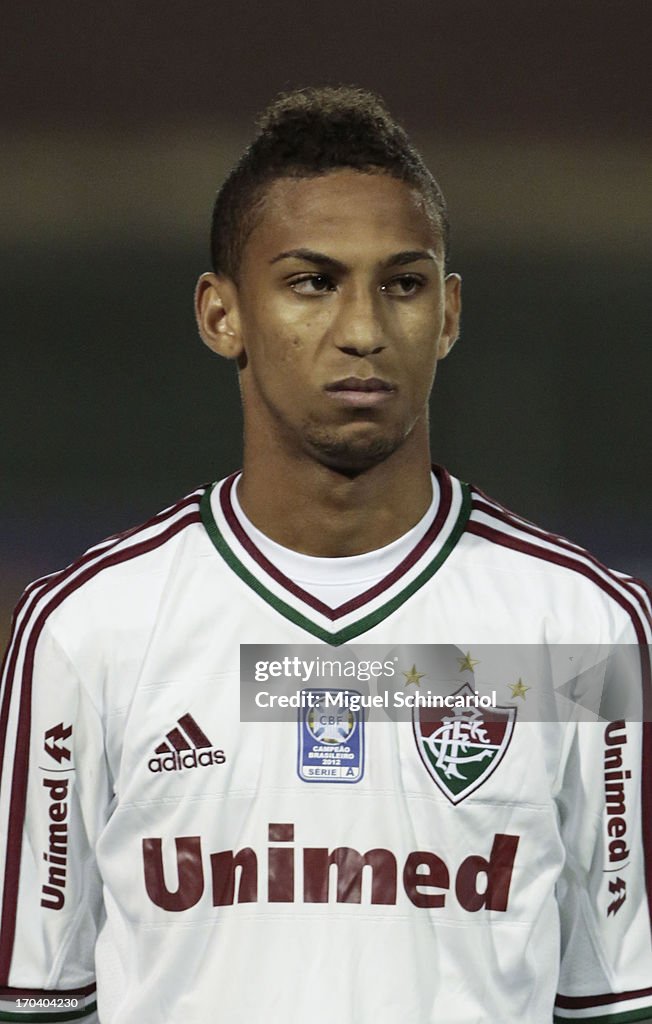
<point>119,122</point>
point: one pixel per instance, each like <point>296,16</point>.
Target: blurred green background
<point>118,126</point>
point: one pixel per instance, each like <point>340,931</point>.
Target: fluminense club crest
<point>461,747</point>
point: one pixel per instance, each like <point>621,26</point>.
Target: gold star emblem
<point>467,663</point>
<point>518,689</point>
<point>413,676</point>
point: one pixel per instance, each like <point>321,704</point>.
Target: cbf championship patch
<point>331,739</point>
<point>463,747</point>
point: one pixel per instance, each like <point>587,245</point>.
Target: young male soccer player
<point>198,868</point>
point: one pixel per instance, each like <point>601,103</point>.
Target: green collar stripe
<point>356,628</point>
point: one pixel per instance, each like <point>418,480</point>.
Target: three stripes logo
<point>185,746</point>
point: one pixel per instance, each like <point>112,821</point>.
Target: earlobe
<point>216,312</point>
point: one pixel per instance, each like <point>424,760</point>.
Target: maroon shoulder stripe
<point>568,562</point>
<point>626,603</point>
<point>44,993</point>
<point>106,559</point>
<point>496,504</point>
<point>445,501</point>
<point>584,1002</point>
<point>641,591</point>
<point>629,582</point>
<point>98,549</point>
<point>166,513</point>
<point>493,507</point>
<point>38,587</point>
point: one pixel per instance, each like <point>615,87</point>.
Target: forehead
<point>341,213</point>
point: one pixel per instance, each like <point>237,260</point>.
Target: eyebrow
<point>320,259</point>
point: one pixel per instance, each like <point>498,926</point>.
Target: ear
<point>452,311</point>
<point>216,311</point>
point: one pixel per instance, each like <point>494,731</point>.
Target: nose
<point>359,328</point>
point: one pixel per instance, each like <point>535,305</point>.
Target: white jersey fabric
<point>169,859</point>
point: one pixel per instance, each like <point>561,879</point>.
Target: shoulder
<point>564,570</point>
<point>116,576</point>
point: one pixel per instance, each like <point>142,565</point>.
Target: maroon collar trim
<point>429,538</point>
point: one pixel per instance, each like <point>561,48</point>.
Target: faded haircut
<point>307,133</point>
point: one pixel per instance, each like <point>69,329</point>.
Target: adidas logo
<point>185,746</point>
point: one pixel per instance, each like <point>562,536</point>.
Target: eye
<point>312,284</point>
<point>404,285</point>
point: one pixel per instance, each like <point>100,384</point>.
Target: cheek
<point>419,329</point>
<point>280,338</point>
<point>423,349</point>
<point>286,352</point>
<point>422,370</point>
<point>282,364</point>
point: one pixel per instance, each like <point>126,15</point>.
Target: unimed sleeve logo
<point>56,854</point>
<point>54,742</point>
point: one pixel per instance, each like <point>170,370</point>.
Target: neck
<point>317,510</point>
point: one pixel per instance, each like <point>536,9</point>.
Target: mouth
<point>364,392</point>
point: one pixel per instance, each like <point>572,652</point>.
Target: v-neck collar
<point>338,625</point>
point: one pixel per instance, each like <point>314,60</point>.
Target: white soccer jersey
<point>195,867</point>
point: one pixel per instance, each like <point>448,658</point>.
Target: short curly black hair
<point>307,133</point>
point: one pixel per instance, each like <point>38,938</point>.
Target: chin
<point>351,455</point>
